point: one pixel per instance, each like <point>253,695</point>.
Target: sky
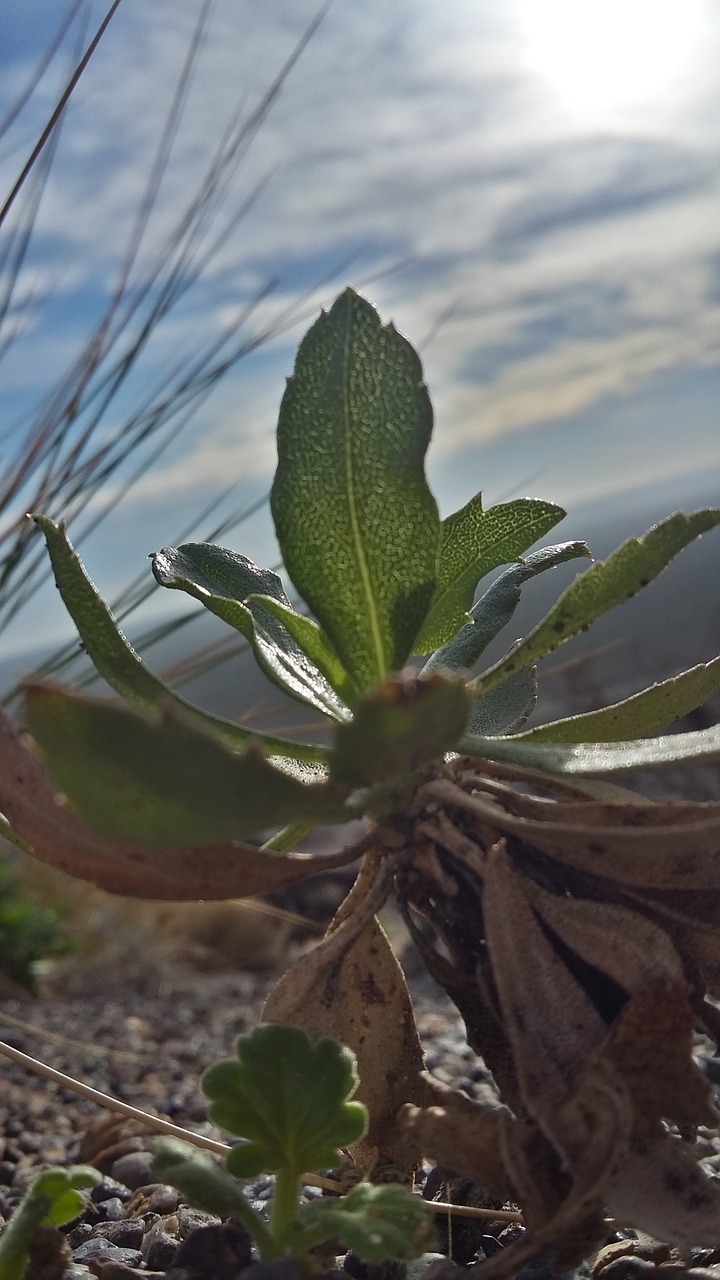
<point>528,188</point>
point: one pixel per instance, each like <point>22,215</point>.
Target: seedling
<point>287,1099</point>
<point>574,925</point>
<point>54,1198</point>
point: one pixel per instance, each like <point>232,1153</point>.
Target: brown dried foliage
<point>579,939</point>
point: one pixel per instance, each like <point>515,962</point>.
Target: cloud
<point>570,263</point>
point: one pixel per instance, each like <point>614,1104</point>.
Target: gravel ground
<point>149,1049</point>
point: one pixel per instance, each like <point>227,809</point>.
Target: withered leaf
<point>653,846</point>
<point>599,918</point>
<point>596,1117</point>
<point>351,986</point>
<point>621,943</point>
<point>551,1022</point>
<point>650,1045</point>
<point>462,1135</point>
<point>661,1188</point>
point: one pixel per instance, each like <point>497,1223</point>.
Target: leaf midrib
<point>364,568</point>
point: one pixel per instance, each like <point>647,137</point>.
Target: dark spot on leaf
<point>370,992</point>
<point>596,847</point>
<point>559,626</point>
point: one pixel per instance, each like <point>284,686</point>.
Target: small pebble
<point>222,1251</point>
<point>79,1234</point>
<point>190,1220</point>
<point>99,1248</point>
<point>491,1245</point>
<point>108,1189</point>
<point>164,1199</point>
<point>126,1235</point>
<point>161,1251</point>
<point>626,1268</point>
<point>113,1209</point>
<point>133,1169</point>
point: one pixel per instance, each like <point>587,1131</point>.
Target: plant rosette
<point>573,923</point>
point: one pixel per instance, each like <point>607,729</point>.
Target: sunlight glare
<point>606,53</point>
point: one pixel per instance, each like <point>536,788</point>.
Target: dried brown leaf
<point>551,1023</point>
<point>621,943</point>
<point>653,846</point>
<point>462,1135</point>
<point>351,986</point>
<point>595,1119</point>
<point>658,846</point>
<point>662,1188</point>
<point>650,1046</point>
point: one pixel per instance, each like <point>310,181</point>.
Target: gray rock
<point>134,1169</point>
<point>161,1251</point>
<point>99,1248</point>
<point>127,1234</point>
<point>163,1200</point>
<point>190,1220</point>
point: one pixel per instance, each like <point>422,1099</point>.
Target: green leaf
<point>597,758</point>
<point>205,1184</point>
<point>506,706</point>
<point>357,525</point>
<point>224,582</point>
<point>161,780</point>
<point>496,607</point>
<point>605,584</point>
<point>313,641</point>
<point>406,721</point>
<point>288,1099</point>
<point>376,1222</point>
<point>52,1199</point>
<point>119,664</point>
<point>474,542</point>
<point>644,712</point>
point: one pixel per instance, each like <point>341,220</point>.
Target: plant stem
<point>285,1201</point>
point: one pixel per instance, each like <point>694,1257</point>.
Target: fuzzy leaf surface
<point>376,1222</point>
<point>607,583</point>
<point>496,607</point>
<point>597,758</point>
<point>288,1099</point>
<point>506,706</point>
<point>124,670</point>
<point>161,780</point>
<point>644,712</point>
<point>357,525</point>
<point>474,542</point>
<point>224,582</point>
<point>313,641</point>
<point>205,1184</point>
<point>403,723</point>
